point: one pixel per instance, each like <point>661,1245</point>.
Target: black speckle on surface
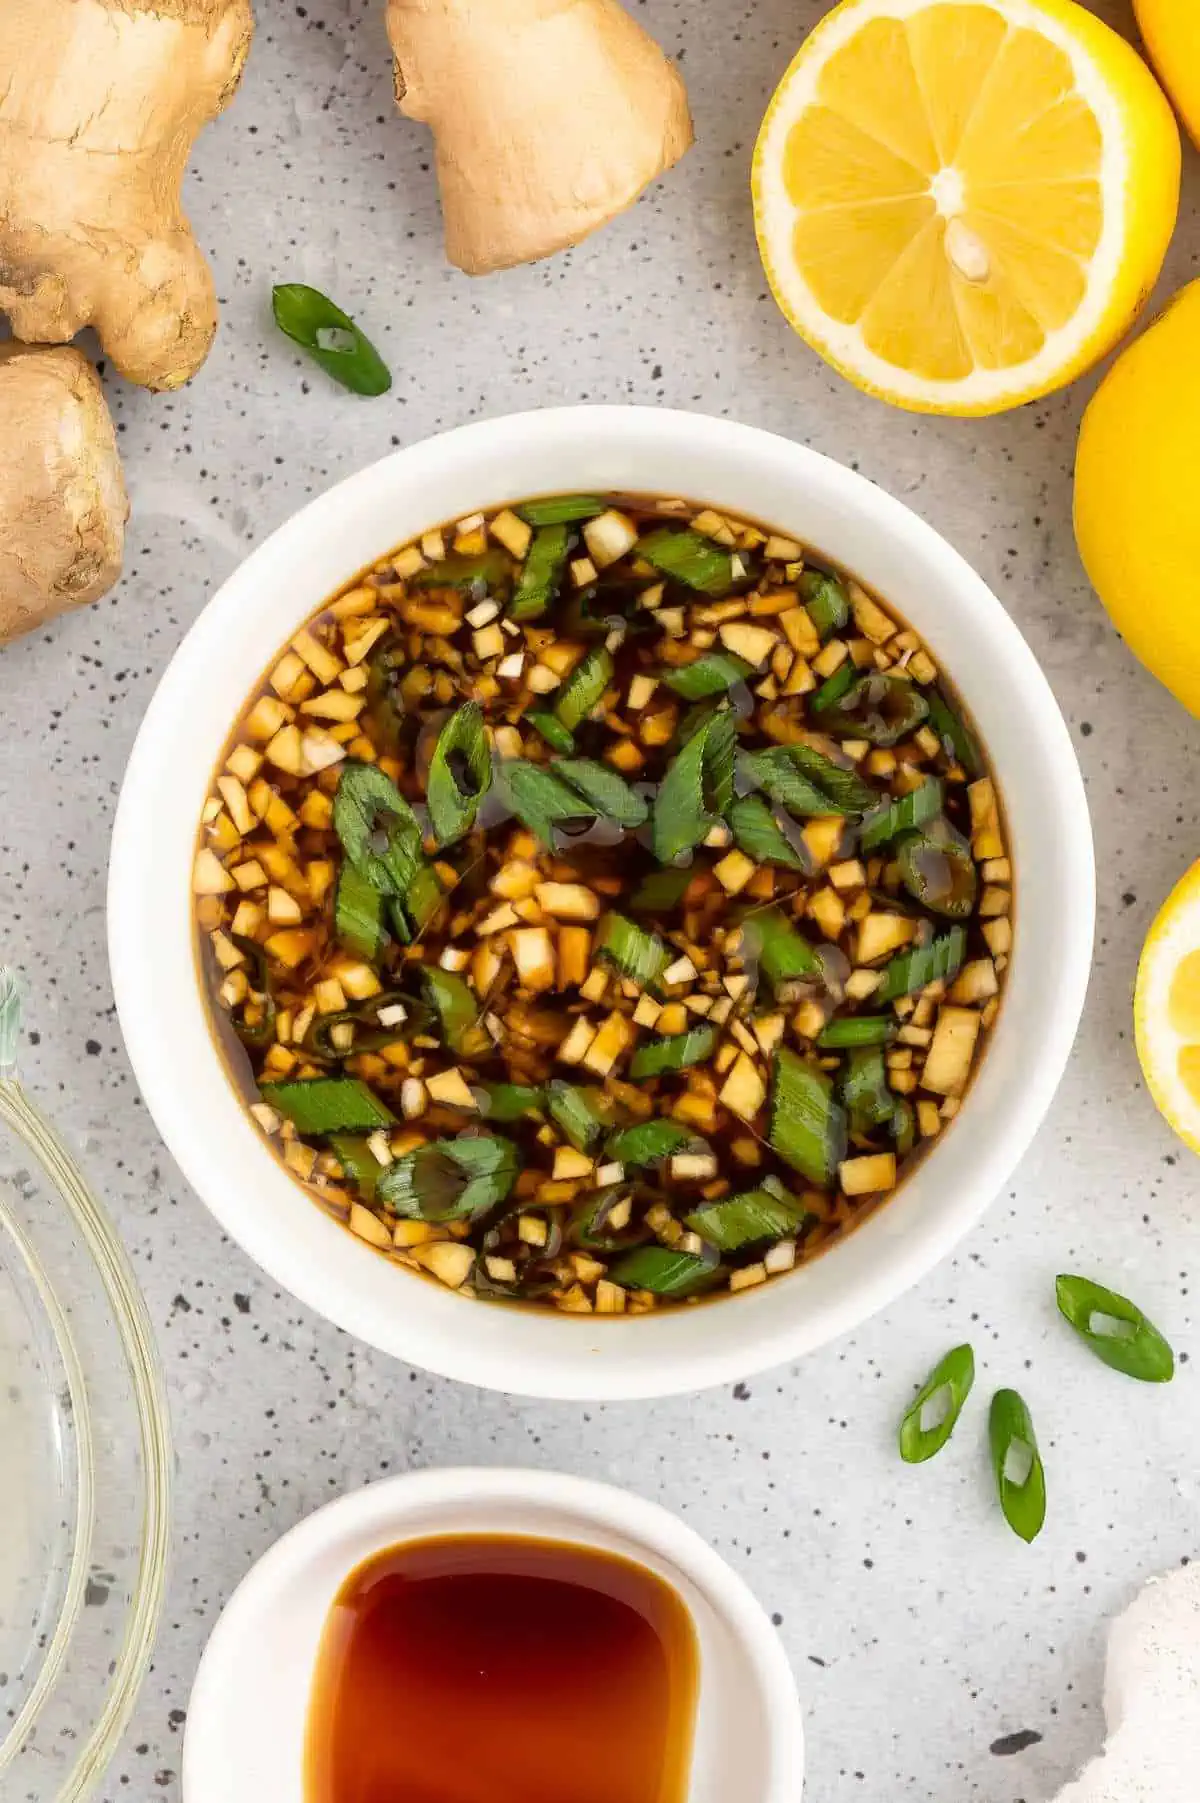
<point>1008,1744</point>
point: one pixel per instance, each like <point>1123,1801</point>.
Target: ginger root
<point>100,101</point>
<point>62,497</point>
<point>549,117</point>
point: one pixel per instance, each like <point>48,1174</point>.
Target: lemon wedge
<point>964,206</point>
<point>1166,1009</point>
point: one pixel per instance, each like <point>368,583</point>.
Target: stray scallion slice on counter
<point>915,809</point>
<point>541,574</point>
<point>689,559</point>
<point>584,687</point>
<point>450,1179</point>
<point>583,1112</point>
<point>923,964</point>
<point>331,338</point>
<point>757,832</point>
<point>807,1126</point>
<point>629,948</point>
<point>1116,1330</point>
<point>647,1143</point>
<point>714,673</point>
<point>561,510</point>
<point>675,1053</point>
<point>664,1273</point>
<point>933,1414</point>
<point>552,730</point>
<point>321,1105</point>
<point>1017,1463</point>
<point>756,1218</point>
<point>359,910</point>
<point>460,774</point>
<point>538,799</point>
<point>378,830</point>
<point>827,602</point>
<point>607,792</point>
<point>696,790</point>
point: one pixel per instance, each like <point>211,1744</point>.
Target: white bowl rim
<point>219,1149</point>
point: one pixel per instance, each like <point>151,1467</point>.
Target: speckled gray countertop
<point>937,1658</point>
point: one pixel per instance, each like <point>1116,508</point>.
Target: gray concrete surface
<point>924,1637</point>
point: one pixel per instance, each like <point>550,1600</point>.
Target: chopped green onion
<point>686,557</point>
<point>629,948</point>
<point>807,1126</point>
<point>779,776</point>
<point>827,602</point>
<point>921,965</point>
<point>507,1102</point>
<point>938,870</point>
<point>491,569</point>
<point>582,690</point>
<point>588,1226</point>
<point>358,914</point>
<point>359,1164</point>
<point>757,832</point>
<point>956,736</point>
<point>713,674</point>
<point>552,730</point>
<point>697,715</point>
<point>606,791</point>
<point>756,1218</point>
<point>647,1142</point>
<point>455,1004</point>
<point>423,900</point>
<point>538,799</point>
<point>674,1053</point>
<point>903,1126</point>
<point>696,790</point>
<point>915,809</point>
<point>864,1089</point>
<point>878,707</point>
<point>661,890</point>
<point>1020,1475</point>
<point>379,832</point>
<point>541,574</point>
<point>1116,1330</point>
<point>460,773</point>
<point>834,687</point>
<point>845,788</point>
<point>262,990</point>
<point>933,1414</point>
<point>663,1273</point>
<point>369,1034</point>
<point>857,1030</point>
<point>321,1105</point>
<point>582,1113</point>
<point>450,1179</point>
<point>560,510</point>
<point>331,338</point>
<point>781,953</point>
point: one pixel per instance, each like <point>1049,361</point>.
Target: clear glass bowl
<point>85,1463</point>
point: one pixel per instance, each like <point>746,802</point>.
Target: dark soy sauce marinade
<point>611,902</point>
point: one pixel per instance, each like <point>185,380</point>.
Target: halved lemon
<point>1166,1009</point>
<point>963,206</point>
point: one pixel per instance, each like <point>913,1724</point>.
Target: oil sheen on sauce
<point>488,1669</point>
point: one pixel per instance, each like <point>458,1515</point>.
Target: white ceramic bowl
<point>248,1707</point>
<point>239,635</point>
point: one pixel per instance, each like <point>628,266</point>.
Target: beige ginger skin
<point>100,101</point>
<point>573,109</point>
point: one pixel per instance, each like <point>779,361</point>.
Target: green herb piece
<point>777,775</point>
<point>359,1164</point>
<point>661,890</point>
<point>261,990</point>
<point>864,1089</point>
<point>827,602</point>
<point>712,674</point>
<point>903,1126</point>
<point>331,338</point>
<point>457,1008</point>
<point>933,1414</point>
<point>321,1105</point>
<point>915,809</point>
<point>483,572</point>
<point>844,787</point>
<point>878,707</point>
<point>696,790</point>
<point>782,954</point>
<point>686,557</point>
<point>541,574</point>
<point>757,832</point>
<point>857,1030</point>
<point>663,1273</point>
<point>674,1053</point>
<point>582,690</point>
<point>422,902</point>
<point>605,790</point>
<point>460,774</point>
<point>807,1127</point>
<point>590,1222</point>
<point>697,715</point>
<point>834,687</point>
<point>508,1102</point>
<point>757,1218</point>
<point>922,964</point>
<point>1020,1475</point>
<point>369,1033</point>
<point>358,914</point>
<point>450,1179</point>
<point>552,730</point>
<point>647,1142</point>
<point>630,949</point>
<point>538,799</point>
<point>1116,1330</point>
<point>938,870</point>
<point>379,832</point>
<point>582,1113</point>
<point>561,510</point>
<point>957,738</point>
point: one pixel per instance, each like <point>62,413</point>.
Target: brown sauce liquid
<point>489,1669</point>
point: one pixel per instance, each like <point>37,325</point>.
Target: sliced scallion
<point>261,992</point>
<point>379,832</point>
<point>834,687</point>
<point>591,1226</point>
<point>755,1218</point>
<point>864,1089</point>
<point>675,1053</point>
<point>331,338</point>
<point>807,1125</point>
<point>827,602</point>
<point>647,1143</point>
<point>903,815</point>
<point>541,574</point>
<point>777,775</point>
<point>1116,1330</point>
<point>359,1164</point>
<point>552,730</point>
<point>933,1413</point>
<point>450,1179</point>
<point>782,954</point>
<point>857,1030</point>
<point>757,832</point>
<point>956,736</point>
<point>454,1002</point>
<point>661,890</point>
<point>662,1272</point>
<point>844,787</point>
<point>421,902</point>
<point>358,914</point>
<point>1017,1463</point>
<point>879,707</point>
<point>629,948</point>
<point>582,690</point>
<point>696,790</point>
<point>687,558</point>
<point>460,774</point>
<point>537,798</point>
<point>938,870</point>
<point>484,572</point>
<point>712,674</point>
<point>320,1105</point>
<point>507,1102</point>
<point>583,1113</point>
<point>558,510</point>
<point>606,791</point>
<point>922,964</point>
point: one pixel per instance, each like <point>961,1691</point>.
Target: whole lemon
<point>1171,30</point>
<point>1137,496</point>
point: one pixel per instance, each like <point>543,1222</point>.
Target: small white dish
<point>249,1705</point>
<point>164,1017</point>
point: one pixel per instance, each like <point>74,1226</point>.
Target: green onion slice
<point>922,964</point>
<point>915,809</point>
<point>674,1053</point>
<point>878,707</point>
<point>834,687</point>
<point>422,902</point>
<point>844,787</point>
<point>629,948</point>
<point>782,954</point>
<point>457,1008</point>
<point>648,1142</point>
<point>321,1105</point>
<point>933,1414</point>
<point>450,1179</point>
<point>541,574</point>
<point>560,510</point>
<point>712,674</point>
<point>807,1126</point>
<point>379,832</point>
<point>261,990</point>
<point>460,774</point>
<point>903,1126</point>
<point>369,1032</point>
<point>1116,1330</point>
<point>661,890</point>
<point>590,1222</point>
<point>686,557</point>
<point>757,832</point>
<point>582,690</point>
<point>938,870</point>
<point>486,570</point>
<point>582,1113</point>
<point>358,914</point>
<point>538,799</point>
<point>359,1164</point>
<point>1020,1475</point>
<point>606,791</point>
<point>664,1273</point>
<point>552,730</point>
<point>696,790</point>
<point>777,775</point>
<point>507,1102</point>
<point>331,338</point>
<point>827,602</point>
<point>757,1218</point>
<point>956,736</point>
<point>864,1089</point>
<point>857,1030</point>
